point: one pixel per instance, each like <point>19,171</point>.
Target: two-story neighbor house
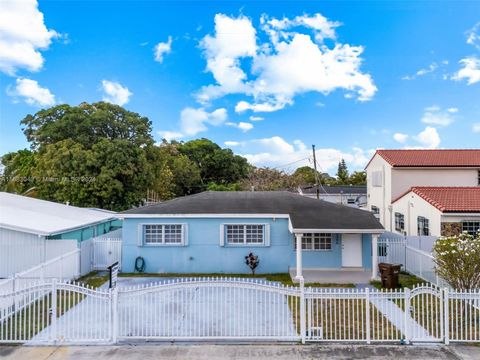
<point>425,192</point>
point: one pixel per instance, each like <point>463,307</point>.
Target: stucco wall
<point>419,207</point>
<point>203,253</point>
<point>380,196</point>
<point>404,179</point>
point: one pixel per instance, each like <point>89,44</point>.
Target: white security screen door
<point>351,250</point>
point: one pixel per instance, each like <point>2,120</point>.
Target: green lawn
<point>94,279</point>
<point>283,278</point>
<point>405,281</point>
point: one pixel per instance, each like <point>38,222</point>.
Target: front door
<point>351,250</point>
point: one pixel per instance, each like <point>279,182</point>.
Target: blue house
<point>212,232</point>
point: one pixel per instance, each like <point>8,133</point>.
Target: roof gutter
<point>61,231</point>
<point>340,231</point>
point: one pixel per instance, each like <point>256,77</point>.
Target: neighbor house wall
<point>380,196</point>
<point>404,179</point>
<point>452,224</point>
<point>88,232</point>
<point>411,206</point>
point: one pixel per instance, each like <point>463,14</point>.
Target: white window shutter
<point>267,234</point>
<point>185,234</point>
<point>222,235</point>
<point>140,235</point>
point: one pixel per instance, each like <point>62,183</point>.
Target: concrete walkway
<point>396,316</point>
<point>347,276</point>
<point>240,352</point>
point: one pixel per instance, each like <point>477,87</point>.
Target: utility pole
<point>317,180</point>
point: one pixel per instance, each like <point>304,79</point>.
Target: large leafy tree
<point>268,179</point>
<point>112,174</point>
<point>90,155</point>
<point>217,165</point>
<point>86,124</point>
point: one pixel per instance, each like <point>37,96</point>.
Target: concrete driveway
<point>193,311</point>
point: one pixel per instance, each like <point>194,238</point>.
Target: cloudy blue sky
<point>265,78</point>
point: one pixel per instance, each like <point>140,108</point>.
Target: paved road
<point>240,352</point>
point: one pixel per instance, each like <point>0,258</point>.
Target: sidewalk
<point>240,352</point>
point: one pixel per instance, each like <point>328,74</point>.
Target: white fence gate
<point>105,252</point>
<point>236,310</point>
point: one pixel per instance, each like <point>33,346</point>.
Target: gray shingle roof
<point>305,213</point>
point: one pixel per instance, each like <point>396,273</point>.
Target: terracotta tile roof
<point>431,158</point>
<point>449,199</point>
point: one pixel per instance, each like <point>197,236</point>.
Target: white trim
<point>245,244</point>
<point>459,214</point>
<point>141,241</point>
<point>340,231</point>
<point>222,235</point>
<point>228,216</point>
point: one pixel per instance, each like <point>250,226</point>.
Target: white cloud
<point>431,68</point>
<point>476,128</point>
<point>162,49</point>
<point>470,70</point>
<point>291,63</point>
<point>193,121</point>
<point>170,135</point>
<point>428,138</point>
<point>256,118</point>
<point>401,138</point>
<point>32,93</point>
<point>244,126</point>
<point>276,152</point>
<point>22,35</point>
<point>115,93</point>
<point>234,38</point>
<point>473,36</point>
<point>434,115</point>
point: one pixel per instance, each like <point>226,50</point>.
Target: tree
<point>358,178</point>
<point>174,173</point>
<point>342,173</point>
<point>267,179</point>
<point>113,174</point>
<point>457,260</point>
<point>216,165</point>
<point>87,124</point>
<point>18,170</point>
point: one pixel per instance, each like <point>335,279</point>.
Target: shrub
<point>457,260</point>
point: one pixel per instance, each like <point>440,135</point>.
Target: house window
<point>245,234</point>
<point>399,222</point>
<point>423,226</point>
<point>375,211</point>
<point>351,201</point>
<point>472,227</point>
<point>376,178</point>
<point>156,234</point>
<point>315,242</point>
<point>478,177</point>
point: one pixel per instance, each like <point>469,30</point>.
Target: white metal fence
<point>237,310</point>
<point>415,261</point>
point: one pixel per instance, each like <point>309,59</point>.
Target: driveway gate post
<point>53,312</point>
<point>407,316</point>
<point>303,318</point>
<point>446,314</point>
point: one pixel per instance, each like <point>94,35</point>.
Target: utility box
<point>389,275</point>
